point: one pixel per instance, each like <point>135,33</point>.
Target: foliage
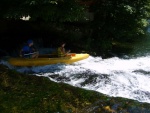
<point>47,10</point>
<point>119,20</point>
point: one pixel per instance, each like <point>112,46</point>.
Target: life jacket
<point>60,53</point>
<point>26,50</point>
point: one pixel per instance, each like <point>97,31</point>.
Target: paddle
<point>30,53</point>
<point>71,54</point>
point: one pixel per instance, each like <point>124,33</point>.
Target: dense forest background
<point>91,25</point>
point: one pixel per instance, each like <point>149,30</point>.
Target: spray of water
<point>128,78</point>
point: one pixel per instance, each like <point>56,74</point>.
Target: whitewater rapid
<point>128,78</point>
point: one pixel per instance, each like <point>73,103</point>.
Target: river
<point>118,77</point>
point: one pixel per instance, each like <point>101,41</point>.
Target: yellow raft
<point>47,60</point>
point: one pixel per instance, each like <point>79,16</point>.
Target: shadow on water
<point>40,70</point>
<point>131,49</point>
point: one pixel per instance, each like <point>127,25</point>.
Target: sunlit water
<point>129,78</point>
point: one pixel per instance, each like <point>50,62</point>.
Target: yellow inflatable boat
<point>47,60</point>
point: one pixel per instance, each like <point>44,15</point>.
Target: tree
<point>47,10</point>
<point>121,20</point>
<point>118,20</point>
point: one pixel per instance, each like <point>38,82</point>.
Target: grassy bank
<point>20,93</point>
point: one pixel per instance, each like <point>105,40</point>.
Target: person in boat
<point>29,50</point>
<point>61,50</point>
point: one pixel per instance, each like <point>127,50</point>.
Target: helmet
<point>30,41</point>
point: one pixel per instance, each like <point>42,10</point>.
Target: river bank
<point>29,93</point>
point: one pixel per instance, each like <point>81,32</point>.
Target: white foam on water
<point>128,78</point>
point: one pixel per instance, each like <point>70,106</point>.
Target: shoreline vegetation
<point>22,93</point>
